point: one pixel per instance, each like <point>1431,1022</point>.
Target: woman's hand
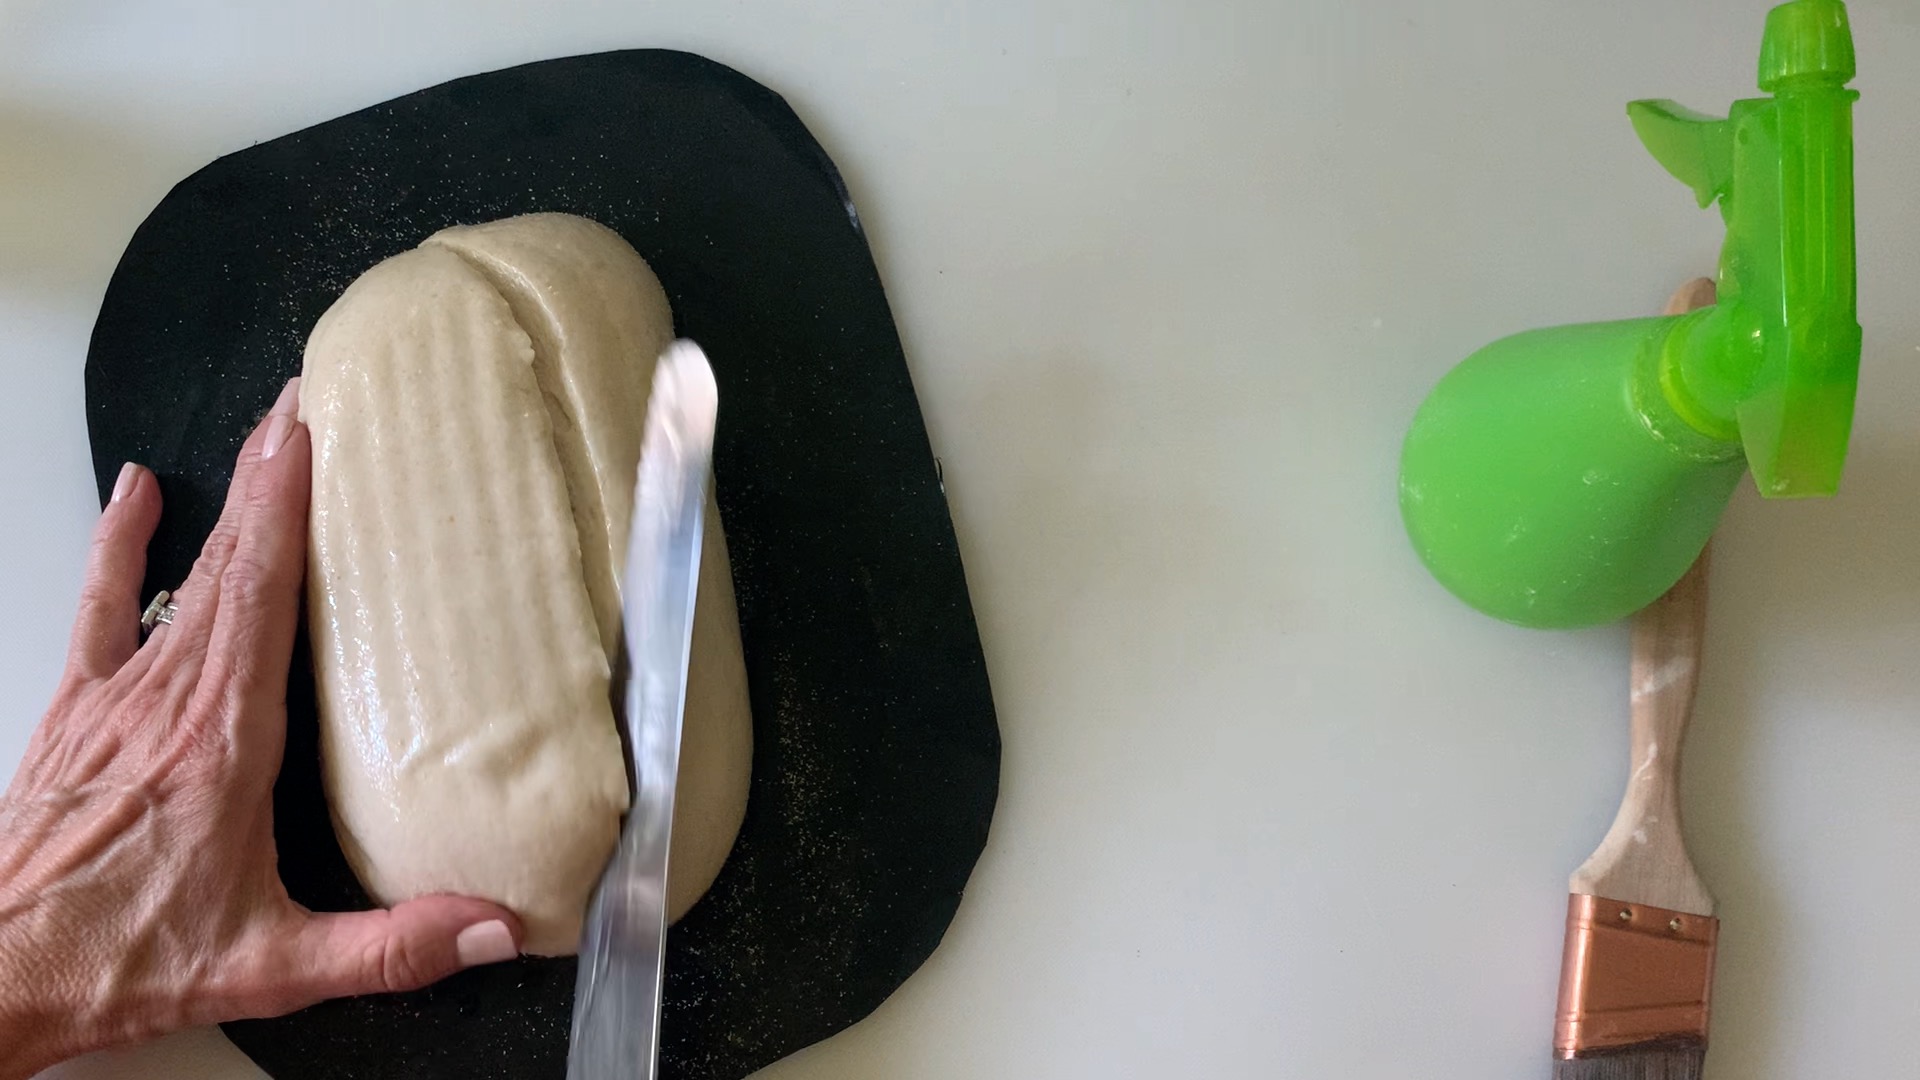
<point>138,885</point>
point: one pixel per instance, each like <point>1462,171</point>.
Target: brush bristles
<point>1651,1064</point>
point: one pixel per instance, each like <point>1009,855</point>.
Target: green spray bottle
<point>1568,477</point>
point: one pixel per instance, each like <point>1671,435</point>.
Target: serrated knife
<point>616,1007</point>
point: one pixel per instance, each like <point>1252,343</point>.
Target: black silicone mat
<point>876,761</point>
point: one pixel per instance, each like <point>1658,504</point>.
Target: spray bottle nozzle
<point>1806,39</point>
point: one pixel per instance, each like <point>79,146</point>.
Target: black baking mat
<point>876,761</point>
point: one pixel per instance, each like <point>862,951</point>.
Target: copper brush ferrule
<point>1633,976</point>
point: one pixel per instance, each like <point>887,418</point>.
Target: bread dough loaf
<point>476,407</point>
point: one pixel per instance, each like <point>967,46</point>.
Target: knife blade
<point>616,1008</point>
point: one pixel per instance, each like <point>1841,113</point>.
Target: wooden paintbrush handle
<point>1666,651</point>
<point>1643,859</point>
<point>1644,856</point>
<point>1664,675</point>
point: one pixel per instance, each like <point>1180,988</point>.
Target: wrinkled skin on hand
<point>139,888</point>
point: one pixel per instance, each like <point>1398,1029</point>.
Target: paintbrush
<point>1637,972</point>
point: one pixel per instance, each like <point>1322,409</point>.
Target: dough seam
<point>576,468</point>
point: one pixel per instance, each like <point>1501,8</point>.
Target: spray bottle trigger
<point>1696,148</point>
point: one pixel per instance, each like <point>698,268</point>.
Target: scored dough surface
<point>476,407</point>
<point>598,320</point>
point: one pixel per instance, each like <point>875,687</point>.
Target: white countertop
<point>1172,276</point>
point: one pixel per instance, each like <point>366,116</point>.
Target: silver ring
<point>160,611</point>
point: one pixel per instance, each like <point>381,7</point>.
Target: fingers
<point>107,631</point>
<point>1698,293</point>
<point>377,952</point>
<point>252,636</point>
<point>184,643</point>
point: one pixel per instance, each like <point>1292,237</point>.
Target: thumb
<point>404,948</point>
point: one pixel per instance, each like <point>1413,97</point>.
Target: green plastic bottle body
<point>1548,482</point>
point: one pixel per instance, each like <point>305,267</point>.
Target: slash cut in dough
<point>476,407</point>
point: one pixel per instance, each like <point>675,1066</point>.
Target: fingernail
<point>485,943</point>
<point>123,487</point>
<point>279,426</point>
<point>288,402</point>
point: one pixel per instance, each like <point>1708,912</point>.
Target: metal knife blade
<point>616,1008</point>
